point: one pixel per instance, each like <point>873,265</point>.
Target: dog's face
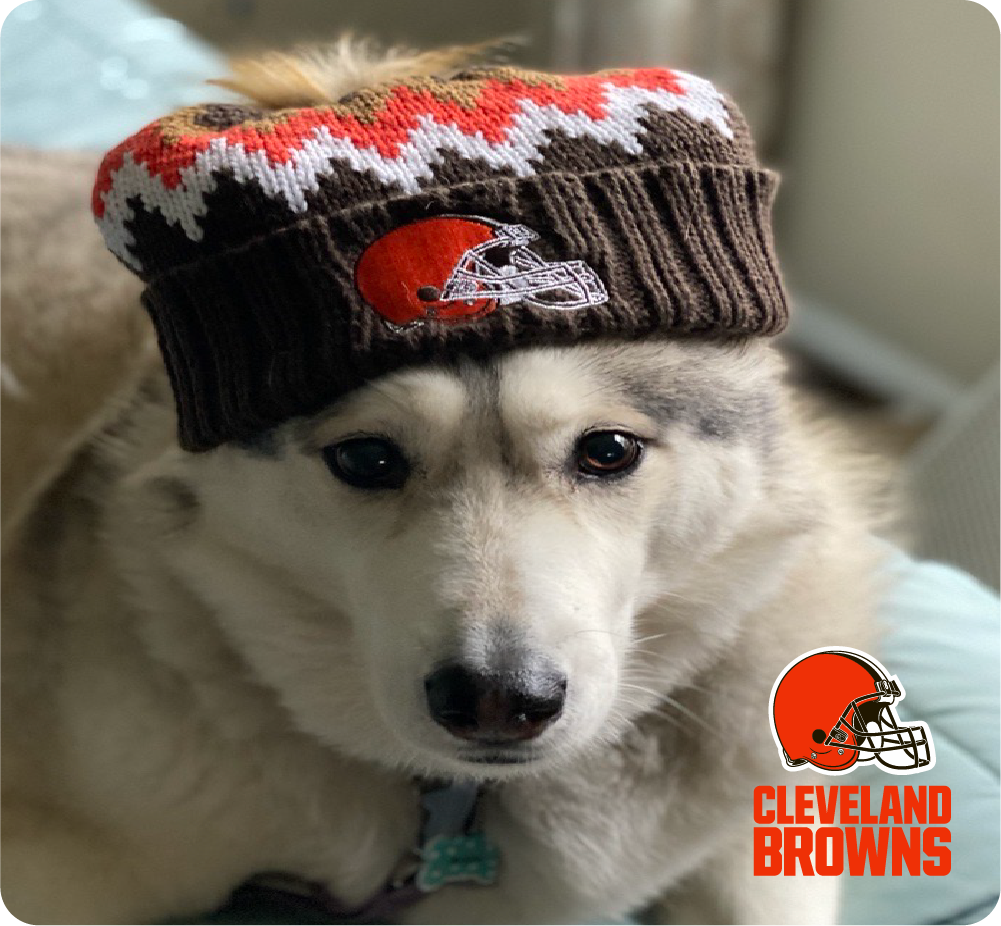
<point>460,569</point>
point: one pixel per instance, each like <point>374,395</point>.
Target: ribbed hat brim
<point>256,335</point>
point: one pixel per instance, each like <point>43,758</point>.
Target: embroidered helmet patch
<point>456,268</point>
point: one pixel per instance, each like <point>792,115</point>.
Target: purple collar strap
<point>449,850</point>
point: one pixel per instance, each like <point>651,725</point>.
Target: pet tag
<point>448,859</point>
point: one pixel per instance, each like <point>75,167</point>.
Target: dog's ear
<point>312,75</point>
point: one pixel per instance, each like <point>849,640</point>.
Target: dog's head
<point>488,567</point>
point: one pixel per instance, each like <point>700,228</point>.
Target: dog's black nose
<point>495,708</point>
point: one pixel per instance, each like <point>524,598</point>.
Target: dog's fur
<point>213,662</point>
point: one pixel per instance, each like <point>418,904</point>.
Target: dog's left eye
<point>607,453</point>
<point>367,463</point>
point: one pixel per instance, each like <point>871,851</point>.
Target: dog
<point>248,660</point>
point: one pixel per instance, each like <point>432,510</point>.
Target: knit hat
<point>290,255</point>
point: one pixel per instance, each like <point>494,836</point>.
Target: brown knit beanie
<point>290,255</point>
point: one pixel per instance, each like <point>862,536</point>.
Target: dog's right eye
<point>607,453</point>
<point>367,463</point>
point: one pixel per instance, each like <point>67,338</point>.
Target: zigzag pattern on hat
<point>508,128</point>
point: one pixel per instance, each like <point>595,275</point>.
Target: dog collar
<point>449,850</point>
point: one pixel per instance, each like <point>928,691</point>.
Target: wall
<point>888,214</point>
<point>241,25</point>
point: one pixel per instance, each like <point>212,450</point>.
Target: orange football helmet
<point>832,709</point>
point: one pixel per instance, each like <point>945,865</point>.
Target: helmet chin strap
<point>450,849</point>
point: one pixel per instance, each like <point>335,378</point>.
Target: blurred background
<point>883,118</point>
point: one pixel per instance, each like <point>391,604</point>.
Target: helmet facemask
<point>870,726</point>
<point>505,269</point>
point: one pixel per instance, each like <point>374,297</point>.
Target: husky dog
<point>223,663</point>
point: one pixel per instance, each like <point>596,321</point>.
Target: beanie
<point>291,255</point>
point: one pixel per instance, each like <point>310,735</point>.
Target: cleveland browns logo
<point>455,268</point>
<point>832,709</point>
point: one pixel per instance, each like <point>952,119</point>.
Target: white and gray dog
<point>247,660</point>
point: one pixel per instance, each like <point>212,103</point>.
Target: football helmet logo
<point>454,268</point>
<point>833,709</point>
